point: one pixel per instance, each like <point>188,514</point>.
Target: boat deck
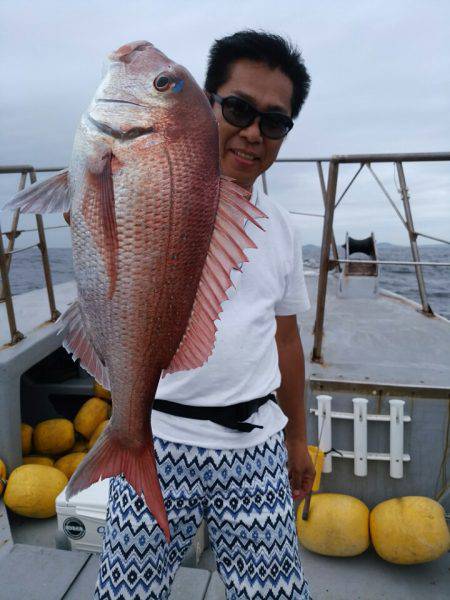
<point>32,315</point>
<point>385,339</point>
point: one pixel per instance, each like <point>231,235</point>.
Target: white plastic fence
<point>360,455</point>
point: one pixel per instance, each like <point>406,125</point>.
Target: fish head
<point>144,90</point>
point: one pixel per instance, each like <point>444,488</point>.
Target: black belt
<point>228,416</point>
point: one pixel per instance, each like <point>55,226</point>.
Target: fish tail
<point>110,457</point>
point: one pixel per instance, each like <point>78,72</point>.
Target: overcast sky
<point>380,83</point>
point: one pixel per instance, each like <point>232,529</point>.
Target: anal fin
<point>77,343</point>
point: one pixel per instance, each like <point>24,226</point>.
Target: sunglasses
<point>239,113</point>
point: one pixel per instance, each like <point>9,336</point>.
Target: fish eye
<point>162,83</point>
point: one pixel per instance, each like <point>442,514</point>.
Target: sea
<point>27,274</point>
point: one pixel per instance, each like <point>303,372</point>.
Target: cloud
<point>379,71</point>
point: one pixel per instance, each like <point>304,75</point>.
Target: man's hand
<point>301,469</point>
<point>290,398</point>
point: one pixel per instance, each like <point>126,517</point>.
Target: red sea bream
<point>155,233</point>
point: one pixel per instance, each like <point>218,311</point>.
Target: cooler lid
<point>89,502</point>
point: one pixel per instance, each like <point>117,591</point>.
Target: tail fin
<point>110,457</point>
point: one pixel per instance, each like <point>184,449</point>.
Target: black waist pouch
<point>232,416</point>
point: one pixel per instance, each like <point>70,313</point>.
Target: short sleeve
<point>295,299</point>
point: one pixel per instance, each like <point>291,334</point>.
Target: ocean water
<point>27,274</point>
<point>402,278</point>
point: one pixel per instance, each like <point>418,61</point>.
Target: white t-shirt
<point>244,362</point>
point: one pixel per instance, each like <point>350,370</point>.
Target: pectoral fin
<point>100,216</point>
<point>49,196</point>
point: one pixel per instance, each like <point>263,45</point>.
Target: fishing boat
<point>377,401</point>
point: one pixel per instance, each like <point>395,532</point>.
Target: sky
<point>380,74</point>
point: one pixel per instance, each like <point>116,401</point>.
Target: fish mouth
<point>130,134</point>
<point>120,101</point>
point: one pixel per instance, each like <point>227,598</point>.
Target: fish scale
<point>156,233</point>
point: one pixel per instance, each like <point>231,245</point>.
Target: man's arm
<point>290,396</point>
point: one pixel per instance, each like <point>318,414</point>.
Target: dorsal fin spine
<point>227,241</point>
<point>222,276</point>
<point>209,294</point>
<point>207,305</point>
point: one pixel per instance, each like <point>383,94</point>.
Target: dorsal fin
<point>226,252</point>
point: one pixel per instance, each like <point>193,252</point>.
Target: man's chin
<point>244,177</point>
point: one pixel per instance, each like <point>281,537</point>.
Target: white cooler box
<point>82,521</point>
<point>82,518</point>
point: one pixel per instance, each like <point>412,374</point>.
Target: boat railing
<point>7,254</point>
<point>329,194</point>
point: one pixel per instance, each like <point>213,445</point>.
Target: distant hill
<point>382,245</point>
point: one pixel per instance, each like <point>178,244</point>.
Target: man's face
<point>245,153</point>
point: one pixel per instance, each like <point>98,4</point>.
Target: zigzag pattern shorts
<point>245,497</point>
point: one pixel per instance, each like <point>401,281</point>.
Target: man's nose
<point>252,133</point>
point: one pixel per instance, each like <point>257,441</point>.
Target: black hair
<point>258,46</point>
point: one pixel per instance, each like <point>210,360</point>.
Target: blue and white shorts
<point>245,498</point>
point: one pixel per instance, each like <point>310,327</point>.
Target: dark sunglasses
<point>239,113</point>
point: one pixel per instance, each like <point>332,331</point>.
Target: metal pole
<point>324,196</point>
<point>426,308</point>
<point>12,236</point>
<point>54,314</point>
<point>15,221</point>
<point>16,336</point>
<point>324,259</point>
<point>264,182</point>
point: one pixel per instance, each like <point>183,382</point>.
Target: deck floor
<point>63,575</point>
<point>382,339</point>
<point>365,577</point>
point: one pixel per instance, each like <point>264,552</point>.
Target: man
<point>227,459</point>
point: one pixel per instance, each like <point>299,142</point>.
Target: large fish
<point>155,233</point>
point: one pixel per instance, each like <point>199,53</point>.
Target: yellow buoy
<point>54,436</point>
<point>34,459</point>
<point>337,525</point>
<point>409,530</point>
<point>97,433</point>
<point>101,392</point>
<point>32,490</point>
<point>68,463</point>
<point>90,415</point>
<point>27,435</point>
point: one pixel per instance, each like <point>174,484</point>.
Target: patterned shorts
<point>245,498</point>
